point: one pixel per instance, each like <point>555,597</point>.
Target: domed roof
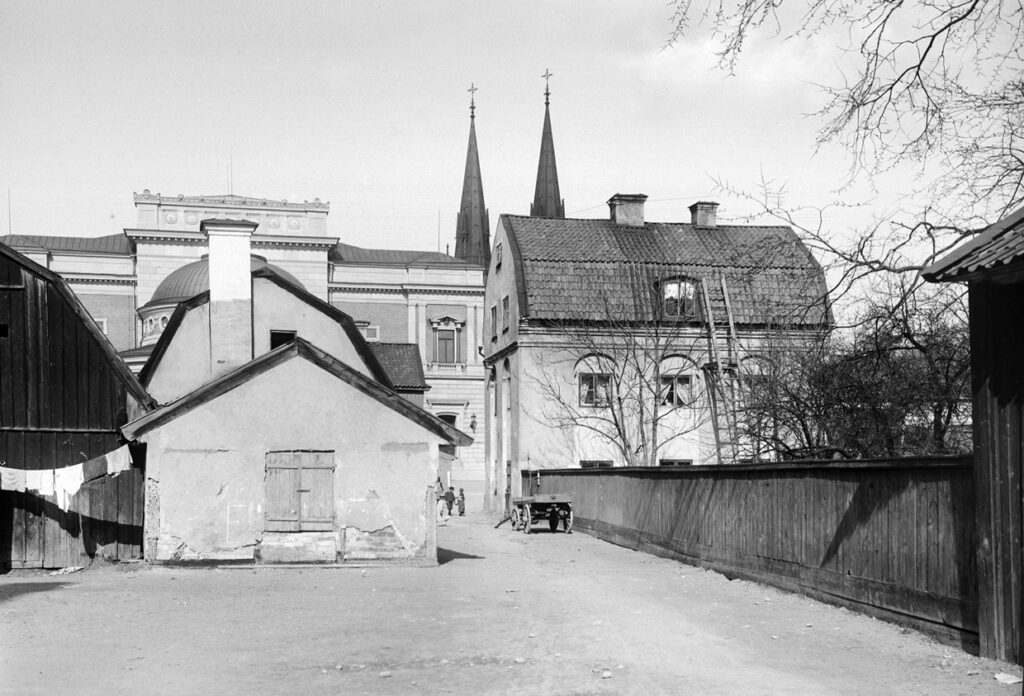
<point>194,278</point>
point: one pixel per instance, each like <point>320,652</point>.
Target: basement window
<point>279,338</point>
<point>595,464</point>
<point>675,462</point>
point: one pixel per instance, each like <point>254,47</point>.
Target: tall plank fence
<point>889,538</point>
<point>104,520</point>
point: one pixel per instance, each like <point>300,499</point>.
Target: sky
<point>365,105</point>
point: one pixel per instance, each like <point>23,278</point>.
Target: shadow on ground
<point>447,555</point>
<point>11,590</point>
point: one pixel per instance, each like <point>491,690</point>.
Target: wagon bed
<point>553,507</point>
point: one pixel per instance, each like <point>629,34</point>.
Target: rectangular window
<point>675,390</point>
<point>5,331</point>
<point>446,352</point>
<point>504,314</point>
<point>299,491</point>
<point>279,338</point>
<point>102,322</point>
<point>370,333</point>
<point>595,389</point>
<point>494,323</point>
<point>497,256</point>
<point>679,298</point>
<point>595,464</point>
<point>675,462</point>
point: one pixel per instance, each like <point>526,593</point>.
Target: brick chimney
<point>230,293</point>
<point>627,209</point>
<point>703,214</point>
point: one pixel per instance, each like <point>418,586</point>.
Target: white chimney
<point>627,209</point>
<point>230,293</point>
<point>703,214</point>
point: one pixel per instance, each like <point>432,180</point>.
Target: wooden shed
<point>64,392</point>
<point>992,265</point>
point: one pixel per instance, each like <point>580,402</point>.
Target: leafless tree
<point>627,397</point>
<point>932,84</point>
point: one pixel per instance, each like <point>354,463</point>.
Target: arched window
<point>677,382</point>
<point>679,298</point>
<point>594,379</point>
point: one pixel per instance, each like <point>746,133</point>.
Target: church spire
<point>547,201</point>
<point>472,231</point>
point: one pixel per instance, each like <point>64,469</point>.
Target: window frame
<point>672,381</point>
<point>596,379</point>
<point>505,314</point>
<point>494,322</point>
<point>692,305</point>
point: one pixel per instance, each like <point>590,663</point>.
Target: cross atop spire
<point>472,227</point>
<point>547,200</point>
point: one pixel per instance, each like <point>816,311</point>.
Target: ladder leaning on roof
<point>721,373</point>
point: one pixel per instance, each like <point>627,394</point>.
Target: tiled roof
<point>115,244</point>
<point>592,269</point>
<point>346,253</point>
<point>401,362</point>
<point>999,246</point>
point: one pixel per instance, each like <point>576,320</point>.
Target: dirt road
<point>504,613</point>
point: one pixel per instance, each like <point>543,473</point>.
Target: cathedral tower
<point>472,233</point>
<point>547,201</point>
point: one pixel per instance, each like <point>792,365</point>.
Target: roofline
<point>347,322</point>
<point>124,374</point>
<point>934,272</point>
<point>517,263</point>
<point>297,348</point>
<point>177,316</point>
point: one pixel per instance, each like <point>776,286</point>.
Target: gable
<point>180,362</point>
<point>301,350</point>
<point>276,309</point>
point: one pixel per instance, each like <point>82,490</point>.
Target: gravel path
<point>504,613</point>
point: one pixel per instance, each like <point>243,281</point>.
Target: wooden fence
<point>890,538</point>
<point>104,521</point>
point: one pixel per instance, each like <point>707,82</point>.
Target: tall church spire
<point>472,232</point>
<point>547,201</point>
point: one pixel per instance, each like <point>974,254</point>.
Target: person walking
<point>441,502</point>
<point>462,503</point>
<point>449,499</point>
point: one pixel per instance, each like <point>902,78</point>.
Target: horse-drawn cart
<point>552,507</point>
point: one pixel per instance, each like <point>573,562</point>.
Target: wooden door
<point>300,491</point>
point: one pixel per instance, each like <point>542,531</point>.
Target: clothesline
<point>65,482</point>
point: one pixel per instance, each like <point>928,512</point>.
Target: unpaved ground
<point>504,613</point>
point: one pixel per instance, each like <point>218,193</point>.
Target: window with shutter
<point>300,491</point>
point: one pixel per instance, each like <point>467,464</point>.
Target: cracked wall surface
<point>206,481</point>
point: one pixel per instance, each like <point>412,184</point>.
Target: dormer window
<point>679,298</point>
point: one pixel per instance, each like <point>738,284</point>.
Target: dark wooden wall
<point>892,539</point>
<point>61,403</point>
<point>997,366</point>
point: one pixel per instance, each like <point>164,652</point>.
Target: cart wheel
<point>568,523</point>
<point>526,519</point>
<point>514,516</point>
<point>553,523</point>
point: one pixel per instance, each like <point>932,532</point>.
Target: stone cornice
<point>278,240</point>
<point>99,279</point>
<point>401,290</point>
<point>178,236</point>
<point>230,201</point>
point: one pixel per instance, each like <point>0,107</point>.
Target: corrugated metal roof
<point>113,244</point>
<point>998,246</point>
<point>594,270</point>
<point>346,253</point>
<point>401,362</point>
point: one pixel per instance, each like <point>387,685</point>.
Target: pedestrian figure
<point>441,503</point>
<point>449,499</point>
<point>462,503</point>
